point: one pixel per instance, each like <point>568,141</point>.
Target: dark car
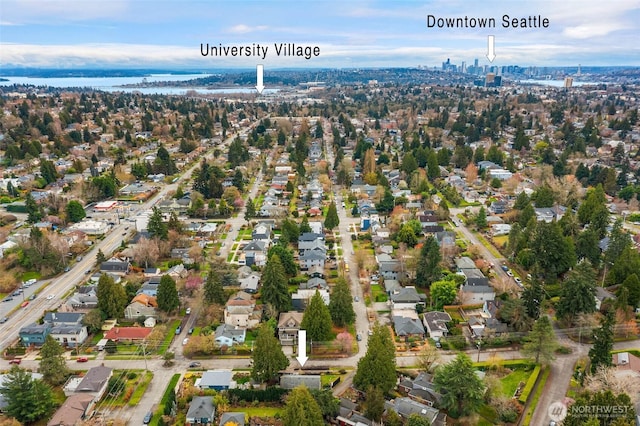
<point>194,364</point>
<point>3,320</point>
<point>8,299</point>
<point>505,268</point>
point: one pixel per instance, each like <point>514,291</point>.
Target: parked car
<point>505,268</point>
<point>15,361</point>
<point>194,364</point>
<point>510,273</point>
<point>33,296</point>
<point>358,337</point>
<point>178,330</point>
<point>3,320</point>
<point>185,341</point>
<point>190,331</point>
<point>188,311</point>
<point>147,418</point>
<point>51,296</point>
<point>438,345</point>
<point>82,359</point>
<point>7,299</point>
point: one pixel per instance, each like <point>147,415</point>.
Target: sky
<point>350,34</point>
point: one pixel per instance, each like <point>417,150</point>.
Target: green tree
<point>428,268</point>
<point>93,320</point>
<point>578,292</point>
<point>112,298</point>
<point>53,366</point>
<point>378,366</point>
<point>317,319</point>
<point>301,409</point>
<point>213,289</point>
<point>386,205</point>
<point>329,404</point>
<point>481,219</point>
<point>28,399</point>
<point>594,201</point>
<point>290,232</point>
<point>286,258</point>
<point>627,264</point>
<point>417,420</point>
<point>632,285</point>
<point>331,220</point>
<point>407,235</point>
<point>374,404</point>
<point>250,209</point>
<point>156,226</point>
<point>462,390</point>
<point>541,342</point>
<point>110,347</point>
<point>443,293</point>
<point>619,240</point>
<point>587,246</point>
<point>532,297</point>
<point>268,358</point>
<point>75,211</point>
<point>554,253</point>
<point>275,290</point>
<point>167,297</point>
<point>48,171</point>
<point>341,304</point>
<point>304,225</point>
<point>34,211</point>
<point>600,352</point>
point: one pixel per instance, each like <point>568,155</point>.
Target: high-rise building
<point>568,82</point>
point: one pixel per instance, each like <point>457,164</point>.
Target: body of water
<point>558,83</point>
<point>113,84</point>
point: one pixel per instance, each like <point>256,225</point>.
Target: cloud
<point>245,29</point>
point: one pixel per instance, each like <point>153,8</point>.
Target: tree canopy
<point>331,220</point>
<point>268,358</point>
<point>541,342</point>
<point>53,366</point>
<point>378,367</point>
<point>28,399</point>
<point>317,319</point>
<point>112,297</point>
<point>274,285</point>
<point>341,304</point>
<point>462,390</point>
<point>75,212</point>
<point>428,268</point>
<point>301,409</point>
<point>168,299</point>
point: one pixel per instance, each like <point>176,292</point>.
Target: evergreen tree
<point>632,286</point>
<point>250,209</point>
<point>304,225</point>
<point>168,299</point>
<point>317,319</point>
<point>274,285</point>
<point>541,342</point>
<point>28,400</point>
<point>554,253</point>
<point>301,409</point>
<point>428,268</point>
<point>156,226</point>
<point>481,219</point>
<point>600,352</point>
<point>378,366</point>
<point>53,366</point>
<point>532,298</point>
<point>374,404</point>
<point>462,390</point>
<point>332,220</point>
<point>268,358</point>
<point>341,304</point>
<point>75,211</point>
<point>577,294</point>
<point>112,298</point>
<point>443,293</point>
<point>34,211</point>
<point>627,264</point>
<point>100,257</point>
<point>625,410</point>
<point>286,258</point>
<point>619,240</point>
<point>213,289</point>
<point>587,246</point>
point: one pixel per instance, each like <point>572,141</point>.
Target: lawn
<point>454,314</point>
<point>510,381</point>
<point>378,293</point>
<point>171,331</point>
<point>30,275</point>
<point>259,411</point>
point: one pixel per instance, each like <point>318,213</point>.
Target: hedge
<point>260,395</point>
<point>165,397</point>
<point>529,386</point>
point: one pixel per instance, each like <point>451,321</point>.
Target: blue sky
<point>168,33</point>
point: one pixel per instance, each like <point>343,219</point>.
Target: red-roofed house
<point>127,333</point>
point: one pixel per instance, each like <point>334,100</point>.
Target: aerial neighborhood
<point>402,248</point>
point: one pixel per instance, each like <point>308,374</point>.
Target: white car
<point>51,296</point>
<point>185,341</point>
<point>188,311</point>
<point>510,273</point>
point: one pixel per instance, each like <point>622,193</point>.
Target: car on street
<point>3,320</point>
<point>358,337</point>
<point>15,361</point>
<point>147,418</point>
<point>188,311</point>
<point>190,331</point>
<point>67,269</point>
<point>194,364</point>
<point>185,341</point>
<point>356,299</point>
<point>510,273</point>
<point>438,345</point>
<point>87,272</point>
<point>82,359</point>
<point>518,280</point>
<point>7,299</point>
<point>505,268</point>
<point>178,330</point>
<point>51,296</point>
<point>33,296</point>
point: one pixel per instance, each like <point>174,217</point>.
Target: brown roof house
<point>74,410</point>
<point>288,327</point>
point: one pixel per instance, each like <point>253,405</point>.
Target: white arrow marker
<point>491,48</point>
<point>259,78</point>
<point>302,347</point>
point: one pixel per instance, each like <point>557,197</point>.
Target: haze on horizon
<point>168,34</point>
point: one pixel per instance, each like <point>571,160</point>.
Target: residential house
<point>499,207</point>
<point>250,283</point>
<point>500,229</point>
<point>34,334</point>
<point>407,298</point>
<point>420,389</point>
<point>549,214</point>
<point>115,266</point>
<point>475,294</point>
<point>392,286</point>
<point>319,283</point>
<point>300,298</point>
<point>436,324</point>
<point>255,253</point>
<point>405,407</point>
<point>178,206</point>
<point>464,262</point>
<point>408,327</point>
<point>288,327</point>
<point>232,419</point>
<point>349,416</point>
<point>307,240</point>
<point>201,411</point>
<point>85,298</point>
<point>626,361</point>
<point>142,305</point>
<point>216,380</point>
<point>69,335</point>
<point>227,335</point>
<point>291,381</point>
<point>312,258</point>
<point>73,411</point>
<point>262,232</point>
<point>388,267</point>
<point>127,334</point>
<point>63,318</point>
<point>241,311</point>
